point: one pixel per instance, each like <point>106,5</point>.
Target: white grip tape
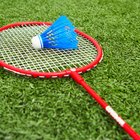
<point>115,115</point>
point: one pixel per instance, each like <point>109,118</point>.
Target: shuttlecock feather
<point>60,35</point>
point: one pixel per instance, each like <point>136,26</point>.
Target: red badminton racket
<point>18,55</point>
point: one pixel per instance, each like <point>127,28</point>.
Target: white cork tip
<point>36,42</point>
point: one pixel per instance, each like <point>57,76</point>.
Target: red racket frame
<point>74,74</point>
<point>52,74</point>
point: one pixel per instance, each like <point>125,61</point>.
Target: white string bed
<point>16,50</point>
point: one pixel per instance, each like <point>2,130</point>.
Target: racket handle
<point>76,77</point>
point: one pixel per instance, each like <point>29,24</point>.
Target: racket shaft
<point>105,106</point>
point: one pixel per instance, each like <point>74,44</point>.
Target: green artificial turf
<point>59,109</point>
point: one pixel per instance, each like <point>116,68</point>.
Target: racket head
<point>16,38</point>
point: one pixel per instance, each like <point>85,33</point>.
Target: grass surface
<point>57,109</point>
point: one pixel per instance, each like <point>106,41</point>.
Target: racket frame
<point>60,74</point>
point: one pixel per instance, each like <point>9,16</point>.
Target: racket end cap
<point>36,42</point>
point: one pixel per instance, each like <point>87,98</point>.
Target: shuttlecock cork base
<point>60,35</point>
<point>36,42</point>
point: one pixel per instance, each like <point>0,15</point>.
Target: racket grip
<point>76,77</point>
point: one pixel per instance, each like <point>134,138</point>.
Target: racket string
<point>16,50</point>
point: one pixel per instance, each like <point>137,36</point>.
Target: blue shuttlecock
<point>60,35</point>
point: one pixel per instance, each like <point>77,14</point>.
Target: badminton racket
<point>17,55</point>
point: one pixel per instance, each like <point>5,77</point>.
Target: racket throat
<point>76,77</point>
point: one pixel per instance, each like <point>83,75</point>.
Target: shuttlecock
<point>60,35</point>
